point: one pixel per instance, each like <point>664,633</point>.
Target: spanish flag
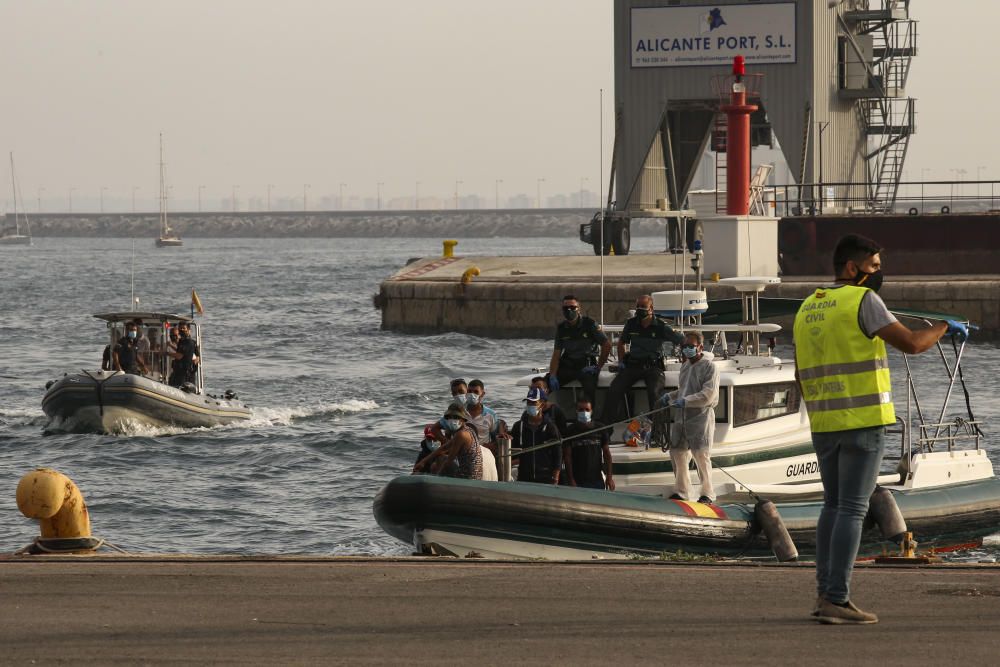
<point>196,304</point>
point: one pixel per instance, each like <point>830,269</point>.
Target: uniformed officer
<point>186,356</point>
<point>575,356</point>
<point>646,335</point>
<point>126,354</point>
<point>843,371</point>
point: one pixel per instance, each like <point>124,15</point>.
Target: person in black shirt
<point>534,428</point>
<point>646,335</point>
<point>587,452</point>
<point>577,342</point>
<point>126,353</point>
<point>187,357</point>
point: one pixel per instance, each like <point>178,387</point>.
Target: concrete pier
<point>98,610</point>
<point>515,297</point>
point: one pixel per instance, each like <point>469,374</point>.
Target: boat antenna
<point>601,175</point>
<point>132,277</point>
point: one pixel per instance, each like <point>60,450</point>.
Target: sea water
<point>338,405</point>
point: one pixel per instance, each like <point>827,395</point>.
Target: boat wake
<point>285,416</point>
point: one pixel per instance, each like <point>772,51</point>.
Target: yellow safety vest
<point>844,374</point>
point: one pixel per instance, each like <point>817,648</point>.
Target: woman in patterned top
<point>462,446</point>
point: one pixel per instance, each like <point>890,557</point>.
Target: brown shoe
<point>832,614</point>
<point>815,611</point>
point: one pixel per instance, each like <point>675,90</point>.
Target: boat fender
<point>884,512</point>
<point>767,519</point>
<point>64,523</point>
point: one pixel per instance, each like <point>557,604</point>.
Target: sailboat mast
<point>163,194</point>
<point>13,186</point>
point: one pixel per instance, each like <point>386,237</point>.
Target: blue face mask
<point>472,400</point>
<point>532,410</point>
<point>133,334</point>
<point>583,416</point>
<point>458,398</point>
<point>453,424</point>
<point>689,351</point>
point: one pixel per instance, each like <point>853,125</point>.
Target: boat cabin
<point>157,337</point>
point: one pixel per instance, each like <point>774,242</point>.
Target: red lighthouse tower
<point>738,143</point>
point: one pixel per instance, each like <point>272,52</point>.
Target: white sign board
<point>712,34</point>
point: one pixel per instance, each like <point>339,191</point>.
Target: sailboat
<point>17,238</point>
<point>167,238</point>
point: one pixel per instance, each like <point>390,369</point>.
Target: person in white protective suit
<point>693,416</point>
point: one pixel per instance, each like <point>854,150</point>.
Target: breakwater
<point>325,224</point>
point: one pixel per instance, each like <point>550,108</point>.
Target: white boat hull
<point>15,239</point>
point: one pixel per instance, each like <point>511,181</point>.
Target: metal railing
<point>913,198</point>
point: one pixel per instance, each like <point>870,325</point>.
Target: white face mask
<point>532,410</point>
<point>458,398</point>
<point>472,400</point>
<point>454,424</point>
<point>583,416</point>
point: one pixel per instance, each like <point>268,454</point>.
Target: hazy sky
<point>253,92</point>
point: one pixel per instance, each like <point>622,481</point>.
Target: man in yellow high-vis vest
<point>843,372</point>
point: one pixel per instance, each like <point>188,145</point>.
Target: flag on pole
<point>196,304</point>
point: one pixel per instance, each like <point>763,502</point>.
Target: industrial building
<point>829,80</point>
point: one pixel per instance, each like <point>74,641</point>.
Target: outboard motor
<point>230,395</point>
<point>767,519</point>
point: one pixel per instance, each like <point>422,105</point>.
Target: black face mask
<point>872,281</point>
<point>570,313</point>
<point>641,313</point>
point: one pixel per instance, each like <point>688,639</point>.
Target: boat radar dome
<point>680,303</point>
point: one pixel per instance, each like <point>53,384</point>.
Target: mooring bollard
<point>52,498</point>
<point>449,247</point>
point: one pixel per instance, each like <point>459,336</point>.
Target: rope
<point>965,390</point>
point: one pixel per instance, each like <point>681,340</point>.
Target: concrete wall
<point>526,310</point>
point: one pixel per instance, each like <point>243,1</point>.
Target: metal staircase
<point>886,114</point>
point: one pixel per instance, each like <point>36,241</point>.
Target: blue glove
<point>590,370</point>
<point>959,329</point>
<point>677,403</point>
<point>553,382</point>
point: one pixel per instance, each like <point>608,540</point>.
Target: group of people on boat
<point>139,351</point>
<point>553,449</point>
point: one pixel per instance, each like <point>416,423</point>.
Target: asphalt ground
<point>293,611</point>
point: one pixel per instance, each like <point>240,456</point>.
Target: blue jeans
<point>849,462</point>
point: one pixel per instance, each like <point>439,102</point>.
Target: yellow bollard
<point>52,498</point>
<point>449,247</point>
<point>469,274</point>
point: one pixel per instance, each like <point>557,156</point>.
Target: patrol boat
<point>111,401</point>
<point>942,489</point>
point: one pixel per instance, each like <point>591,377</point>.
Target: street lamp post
<point>378,190</point>
<point>416,197</point>
<point>497,192</point>
<point>538,193</point>
<point>200,188</point>
<point>822,125</point>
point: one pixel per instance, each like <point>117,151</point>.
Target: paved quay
<point>418,611</point>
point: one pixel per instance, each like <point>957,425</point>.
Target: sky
<point>437,96</point>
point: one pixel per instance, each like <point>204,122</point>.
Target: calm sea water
<point>338,405</point>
